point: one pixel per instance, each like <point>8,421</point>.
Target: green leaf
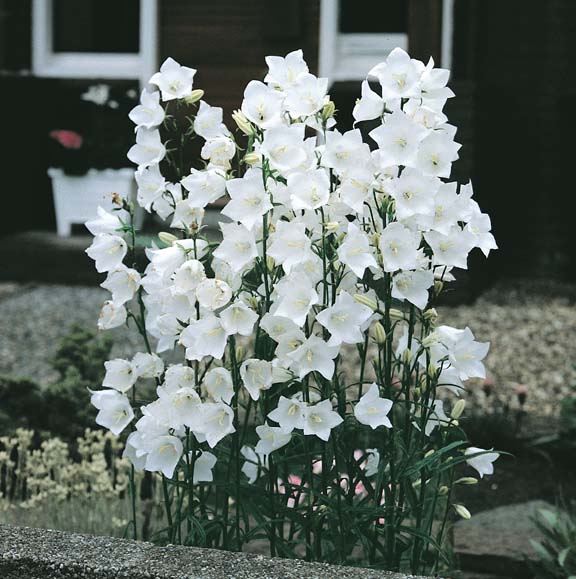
<point>562,556</point>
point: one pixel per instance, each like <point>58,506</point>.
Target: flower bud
<point>443,490</point>
<point>430,340</point>
<point>240,353</point>
<point>243,123</point>
<point>332,226</point>
<point>328,110</point>
<point>462,511</point>
<point>396,314</point>
<point>467,480</point>
<point>366,301</point>
<point>407,355</point>
<point>438,287</point>
<point>167,238</point>
<point>416,393</point>
<point>194,96</point>
<point>458,409</point>
<point>252,158</point>
<point>375,239</point>
<point>270,263</point>
<point>379,333</point>
<point>252,302</point>
<point>431,315</point>
<point>432,370</point>
<point>429,453</point>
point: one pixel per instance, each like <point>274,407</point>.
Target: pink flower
<point>68,139</point>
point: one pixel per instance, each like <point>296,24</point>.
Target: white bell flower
<point>355,251</point>
<point>284,148</point>
<point>413,193</point>
<point>413,286</point>
<point>253,463</point>
<point>309,190</point>
<point>356,187</point>
<point>208,122</point>
<point>219,151</point>
<point>373,410</point>
<point>115,412</point>
<point>238,318</point>
<point>306,96</point>
<point>466,356</point>
<point>165,204</point>
<point>183,406</point>
<point>289,414</point>
<point>271,438</point>
<point>148,365</point>
<point>256,376</point>
<point>173,80</point>
<point>149,113</point>
<point>122,283</point>
<point>238,246</point>
<point>188,276</point>
<point>217,422</point>
<point>249,201</point>
<point>120,375</point>
<point>399,75</point>
<point>483,463</point>
<point>111,316</point>
<point>277,326</point>
<point>204,186</point>
<point>372,462</point>
<point>369,106</point>
<point>320,419</point>
<point>399,248</point>
<point>148,149</point>
<point>179,376</point>
<point>289,244</point>
<point>213,294</point>
<point>262,105</point>
<point>107,251</point>
<point>203,466</point>
<point>283,72</point>
<point>187,214</point>
<point>296,297</point>
<point>314,355</point>
<point>151,185</point>
<point>218,385</point>
<point>205,337</point>
<point>345,320</point>
<point>344,152</point>
<point>164,455</point>
<point>436,154</point>
<point>479,226</point>
<point>436,418</point>
<point>451,249</point>
<point>106,222</point>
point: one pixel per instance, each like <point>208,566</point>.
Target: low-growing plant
<point>338,248</point>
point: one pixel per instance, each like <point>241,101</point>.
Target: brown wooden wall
<point>227,40</point>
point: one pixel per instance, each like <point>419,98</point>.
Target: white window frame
<point>349,57</point>
<point>47,63</point>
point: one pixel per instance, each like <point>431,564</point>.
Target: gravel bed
<point>532,330</point>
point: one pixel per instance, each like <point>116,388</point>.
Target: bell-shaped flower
<point>399,75</point>
<point>320,419</point>
<point>271,438</point>
<point>451,249</point>
<point>120,375</point>
<point>249,201</point>
<point>466,356</point>
<point>413,286</point>
<point>356,187</point>
<point>277,326</point>
<point>203,466</point>
<point>413,193</point>
<point>164,455</point>
<point>369,106</point>
<point>204,186</point>
<point>213,294</point>
<point>483,463</point>
<point>345,320</point>
<point>115,412</point>
<point>165,204</point>
<point>433,87</point>
<point>111,316</point>
<point>289,414</point>
<point>479,226</point>
<point>346,151</point>
<point>107,251</point>
<point>238,318</point>
<point>218,385</point>
<point>187,215</point>
<point>217,422</point>
<point>399,247</point>
<point>188,276</point>
<point>183,406</point>
<point>314,355</point>
<point>398,139</point>
<point>204,337</point>
<point>208,122</point>
<point>148,365</point>
<point>436,154</point>
<point>256,376</point>
<point>436,418</point>
<point>105,222</point>
<point>238,246</point>
<point>309,190</point>
<point>355,251</point>
<point>131,452</point>
<point>283,72</point>
<point>173,80</point>
<point>284,148</point>
<point>262,105</point>
<point>289,245</point>
<point>122,283</point>
<point>149,113</point>
<point>253,463</point>
<point>296,296</point>
<point>219,151</point>
<point>179,376</point>
<point>372,462</point>
<point>151,185</point>
<point>148,149</point>
<point>373,410</point>
<point>306,96</point>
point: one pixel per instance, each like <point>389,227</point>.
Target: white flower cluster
<point>319,221</point>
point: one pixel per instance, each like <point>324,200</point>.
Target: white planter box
<point>77,197</point>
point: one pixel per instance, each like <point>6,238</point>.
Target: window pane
<point>373,16</point>
<point>96,25</point>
